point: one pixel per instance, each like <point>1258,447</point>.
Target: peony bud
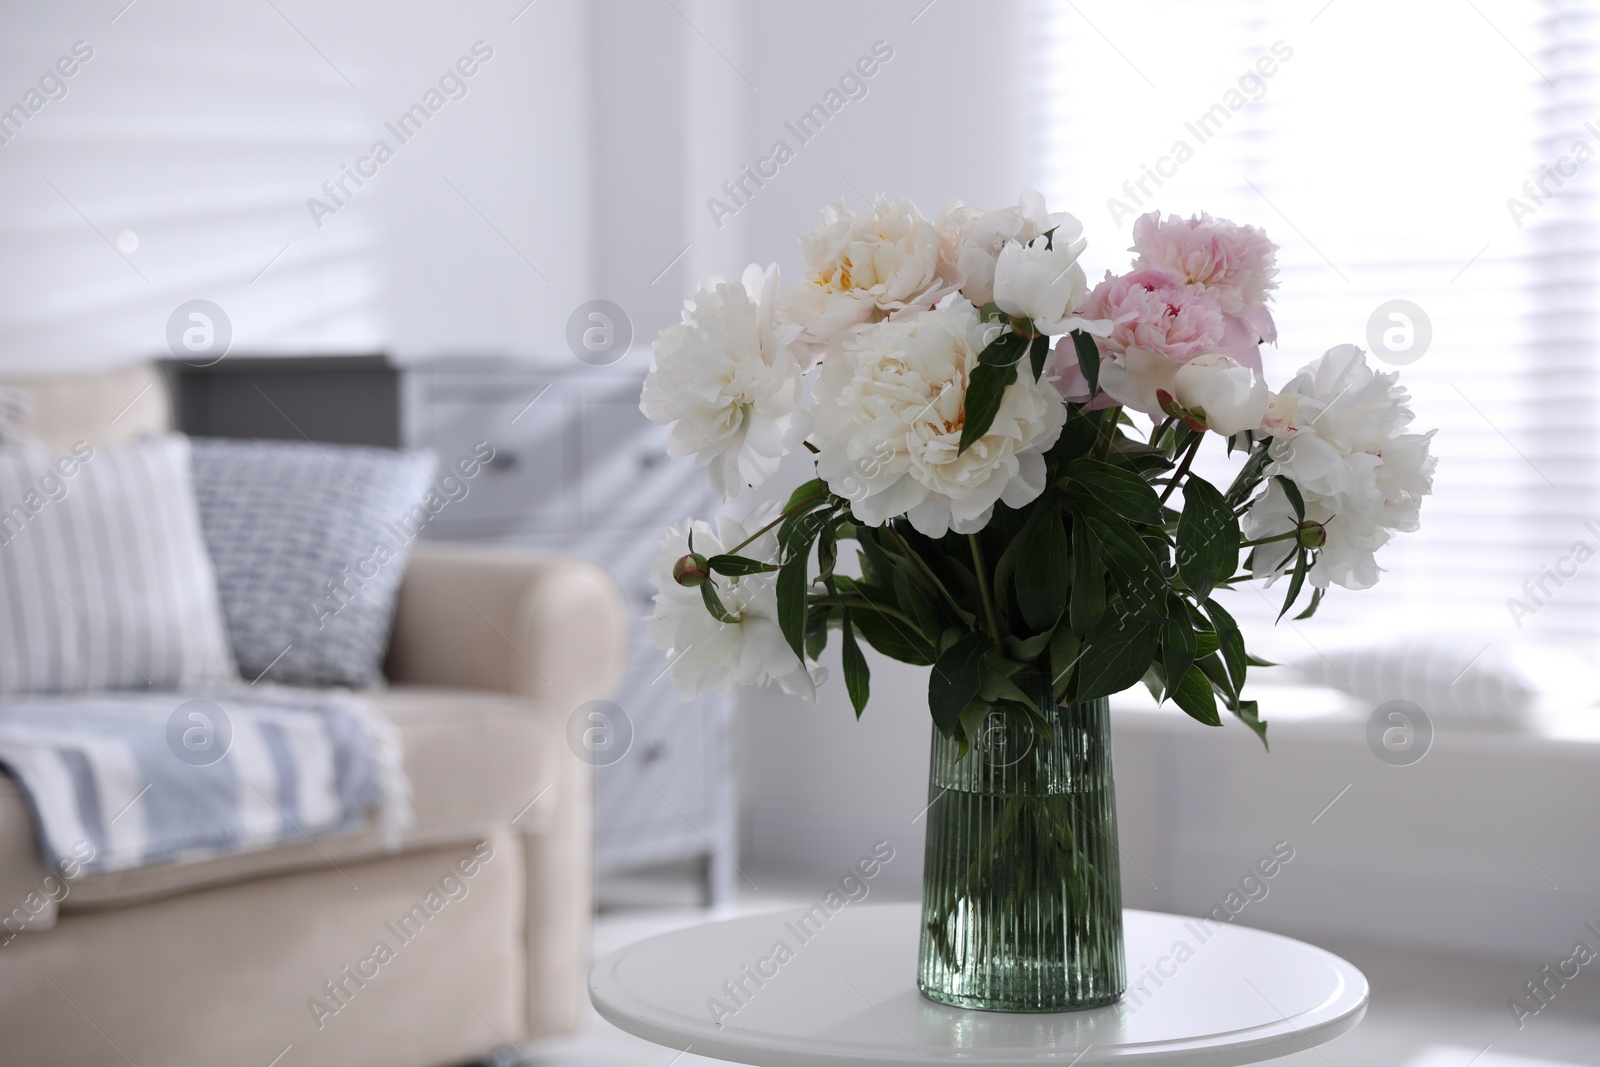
<point>1311,535</point>
<point>1228,395</point>
<point>1042,281</point>
<point>692,570</point>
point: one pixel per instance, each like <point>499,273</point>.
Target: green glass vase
<point>1021,885</point>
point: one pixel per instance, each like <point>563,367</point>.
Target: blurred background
<point>1439,154</point>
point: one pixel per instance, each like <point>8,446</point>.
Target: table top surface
<point>1200,994</point>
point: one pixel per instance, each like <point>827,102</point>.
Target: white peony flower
<point>1283,409</point>
<point>1343,443</point>
<point>889,409</point>
<point>861,267</point>
<point>1229,396</point>
<point>1043,281</point>
<point>971,240</point>
<point>727,380</point>
<point>705,654</point>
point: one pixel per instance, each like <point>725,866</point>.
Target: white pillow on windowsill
<point>1468,681</point>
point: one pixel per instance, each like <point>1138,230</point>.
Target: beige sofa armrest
<point>548,627</point>
<point>552,629</point>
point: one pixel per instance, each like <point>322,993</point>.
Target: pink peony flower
<point>1154,308</point>
<point>1159,324</point>
<point>1236,265</point>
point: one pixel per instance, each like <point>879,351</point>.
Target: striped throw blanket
<point>118,780</point>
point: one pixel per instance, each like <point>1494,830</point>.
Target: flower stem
<point>1183,468</point>
<point>863,604</point>
<point>983,588</point>
<point>1112,416</point>
<point>1160,429</point>
<point>924,570</point>
<point>1268,540</point>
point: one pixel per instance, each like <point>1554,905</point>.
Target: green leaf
<point>877,565</point>
<point>1178,644</point>
<point>1088,359</point>
<point>1088,587</point>
<point>1026,651</point>
<point>1038,354</point>
<point>827,552</point>
<point>798,531</point>
<point>1004,351</point>
<point>997,670</point>
<point>1129,560</point>
<point>1042,561</point>
<point>973,716</point>
<point>1064,649</point>
<point>932,565</point>
<point>1123,491</point>
<point>1311,609</point>
<point>985,389</point>
<point>1078,436</point>
<point>1208,538</point>
<point>816,491</point>
<point>1257,661</point>
<point>817,630</point>
<point>914,600</point>
<point>708,593</point>
<point>1296,580</point>
<point>892,637</point>
<point>1249,713</point>
<point>1230,643</point>
<point>954,681</point>
<point>1212,668</point>
<point>1296,501</point>
<point>1011,691</point>
<point>1116,658</point>
<point>737,566</point>
<point>1003,581</point>
<point>1249,476</point>
<point>1155,681</point>
<point>1196,697</point>
<point>792,586</point>
<point>857,677</point>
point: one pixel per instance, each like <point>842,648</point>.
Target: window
<point>1381,145</point>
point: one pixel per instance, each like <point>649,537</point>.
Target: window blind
<point>1421,152</point>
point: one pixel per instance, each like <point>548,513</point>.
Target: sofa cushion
<point>478,762</point>
<point>104,572</point>
<point>310,543</point>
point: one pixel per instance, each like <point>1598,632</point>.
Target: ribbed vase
<point>1021,885</point>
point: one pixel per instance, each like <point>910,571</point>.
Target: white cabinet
<point>578,469</point>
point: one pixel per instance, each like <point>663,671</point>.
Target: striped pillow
<point>105,582</point>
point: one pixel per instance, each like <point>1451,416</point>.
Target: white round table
<point>844,991</point>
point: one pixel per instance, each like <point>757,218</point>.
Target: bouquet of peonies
<point>968,415</point>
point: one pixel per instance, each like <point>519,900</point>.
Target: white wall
<point>203,129</point>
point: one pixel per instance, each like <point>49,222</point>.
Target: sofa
<point>227,959</point>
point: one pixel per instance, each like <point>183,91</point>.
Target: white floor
<point>1428,1009</point>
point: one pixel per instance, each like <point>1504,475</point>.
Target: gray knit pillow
<point>309,544</point>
